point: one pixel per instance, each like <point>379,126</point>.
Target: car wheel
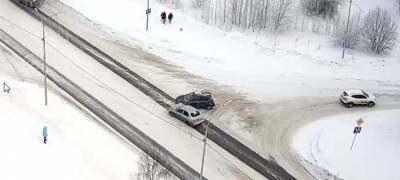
<point>371,104</point>
<point>349,105</point>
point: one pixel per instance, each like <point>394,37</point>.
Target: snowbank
<point>326,143</point>
<point>78,147</point>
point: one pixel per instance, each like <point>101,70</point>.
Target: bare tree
<point>173,3</point>
<point>198,3</point>
<point>150,169</point>
<point>280,14</point>
<point>398,4</point>
<point>353,37</point>
<point>324,8</point>
<point>245,14</point>
<point>379,31</point>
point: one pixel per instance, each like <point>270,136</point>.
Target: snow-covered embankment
<point>326,143</point>
<point>77,148</point>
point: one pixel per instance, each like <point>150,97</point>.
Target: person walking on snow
<point>44,133</point>
<point>170,16</point>
<point>163,16</point>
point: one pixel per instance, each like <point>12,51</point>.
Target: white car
<point>187,114</point>
<point>353,96</point>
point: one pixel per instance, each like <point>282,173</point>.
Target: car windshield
<point>195,113</point>
<point>365,93</point>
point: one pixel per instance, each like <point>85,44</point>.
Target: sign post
<point>148,11</point>
<point>356,130</point>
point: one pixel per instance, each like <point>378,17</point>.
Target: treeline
<point>375,30</point>
<point>272,15</point>
<point>247,14</point>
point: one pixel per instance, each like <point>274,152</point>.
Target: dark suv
<point>199,100</point>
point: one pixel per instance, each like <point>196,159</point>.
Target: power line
<point>355,4</point>
<point>21,28</point>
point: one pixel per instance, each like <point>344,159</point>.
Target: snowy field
<point>78,147</point>
<point>326,143</point>
<point>265,67</point>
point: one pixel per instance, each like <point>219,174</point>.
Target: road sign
<point>148,11</point>
<point>360,121</point>
<point>357,130</point>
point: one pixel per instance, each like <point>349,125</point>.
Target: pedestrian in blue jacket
<point>44,132</point>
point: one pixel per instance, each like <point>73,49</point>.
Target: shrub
<point>379,31</point>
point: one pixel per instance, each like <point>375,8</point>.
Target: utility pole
<point>44,54</point>
<point>44,59</point>
<point>206,134</point>
<point>45,65</point>
<point>148,11</point>
<point>347,29</point>
<point>204,150</point>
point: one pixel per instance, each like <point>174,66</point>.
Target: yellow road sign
<point>360,121</point>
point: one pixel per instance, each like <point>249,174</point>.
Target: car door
<point>204,101</point>
<point>185,116</point>
<point>356,100</point>
<point>363,99</point>
<point>177,113</point>
<point>195,101</point>
<point>360,99</point>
